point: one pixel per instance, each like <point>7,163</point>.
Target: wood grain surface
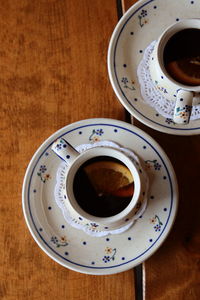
<point>53,72</point>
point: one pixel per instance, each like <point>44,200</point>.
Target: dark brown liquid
<point>182,56</point>
<point>97,203</point>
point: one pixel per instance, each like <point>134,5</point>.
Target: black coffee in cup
<point>182,56</point>
<point>103,186</point>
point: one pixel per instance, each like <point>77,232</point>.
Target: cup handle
<point>64,151</point>
<point>183,107</point>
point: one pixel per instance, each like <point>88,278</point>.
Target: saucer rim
<point>125,101</point>
<point>89,269</point>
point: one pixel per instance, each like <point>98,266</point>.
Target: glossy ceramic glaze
<point>75,249</point>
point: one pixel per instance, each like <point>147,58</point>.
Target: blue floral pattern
<point>61,144</point>
<point>96,133</point>
<point>169,121</point>
<point>142,18</point>
<point>42,173</point>
<point>59,242</point>
<point>92,226</point>
<point>161,88</point>
<point>127,84</point>
<point>183,112</point>
<point>153,163</point>
<point>157,223</point>
<point>111,252</point>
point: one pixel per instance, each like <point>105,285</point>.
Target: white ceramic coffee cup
<point>170,88</point>
<point>74,160</point>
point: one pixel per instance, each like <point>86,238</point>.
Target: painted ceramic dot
<point>150,240</point>
<point>155,7</point>
<point>84,243</point>
<point>66,253</point>
<point>144,147</point>
<point>151,197</point>
<point>177,19</point>
<point>164,177</point>
<point>80,132</point>
<point>181,99</point>
<point>34,191</point>
<point>132,33</point>
<point>93,263</point>
<point>49,208</point>
<point>40,229</point>
<point>68,156</point>
<point>135,99</point>
<point>63,226</point>
<point>165,209</point>
<point>115,130</point>
<point>141,51</point>
<point>107,239</point>
<point>124,65</point>
<point>129,238</point>
<point>123,258</point>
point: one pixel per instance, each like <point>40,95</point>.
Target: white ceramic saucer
<point>73,248</point>
<point>142,24</point>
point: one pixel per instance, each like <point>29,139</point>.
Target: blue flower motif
<point>94,225</point>
<point>169,121</point>
<point>58,146</point>
<point>124,80</point>
<point>143,13</point>
<point>62,242</point>
<point>154,220</point>
<point>43,168</point>
<point>54,239</point>
<point>157,166</point>
<point>164,90</point>
<point>99,132</point>
<point>157,227</point>
<point>42,173</point>
<point>153,163</point>
<point>106,259</point>
<point>188,108</point>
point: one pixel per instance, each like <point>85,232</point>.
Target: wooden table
<point>53,72</point>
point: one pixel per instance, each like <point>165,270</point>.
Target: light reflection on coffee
<point>97,187</point>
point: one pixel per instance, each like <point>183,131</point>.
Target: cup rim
<point>95,152</point>
<point>162,41</point>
